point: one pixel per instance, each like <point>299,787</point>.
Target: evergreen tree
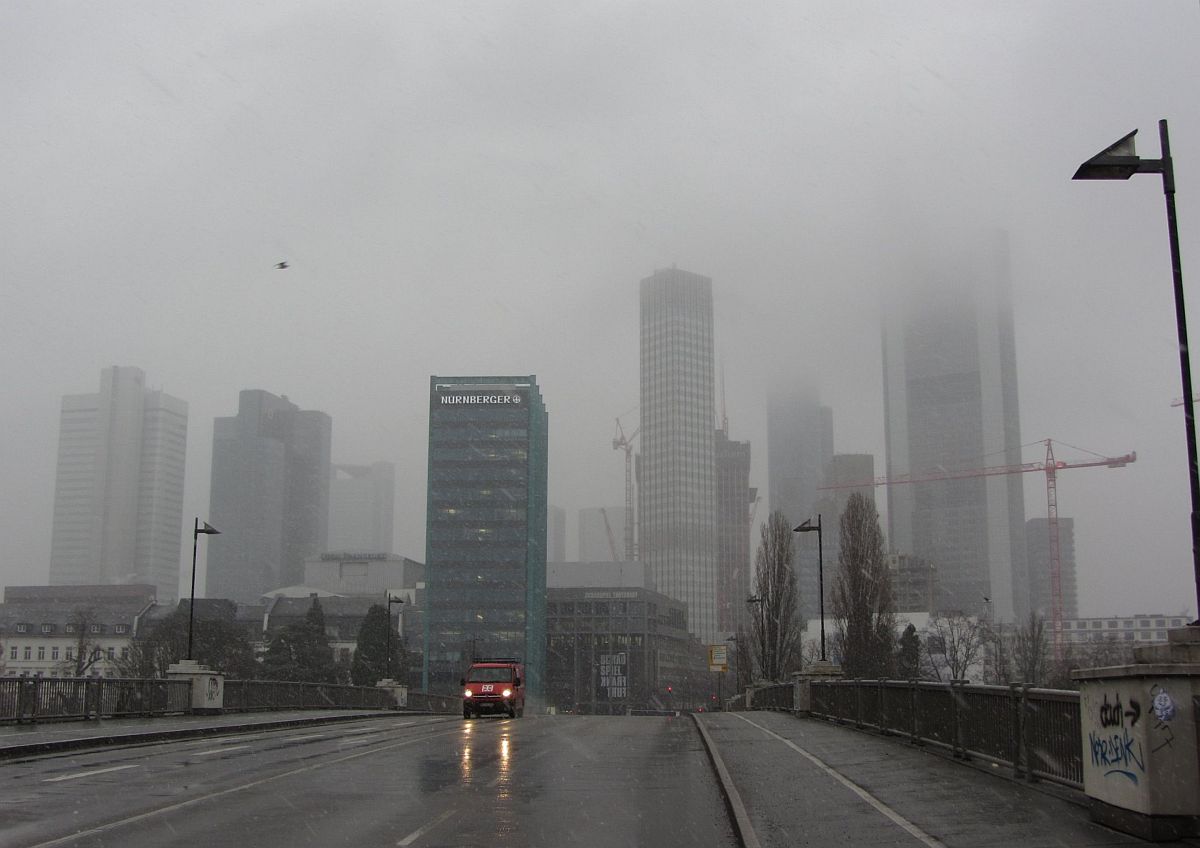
<point>908,659</point>
<point>370,665</point>
<point>300,651</point>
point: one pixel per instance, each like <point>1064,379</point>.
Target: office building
<point>1037,544</point>
<point>950,398</point>
<point>362,503</point>
<point>799,447</point>
<point>601,534</point>
<point>118,493</point>
<point>677,491</point>
<point>734,499</point>
<point>270,495</point>
<point>914,583</point>
<point>486,527</point>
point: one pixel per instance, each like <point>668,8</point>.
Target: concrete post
<point>1138,724</point>
<point>208,686</point>
<point>803,680</point>
<point>399,692</point>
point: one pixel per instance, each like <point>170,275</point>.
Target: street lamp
<point>387,663</point>
<point>1120,162</point>
<point>197,530</point>
<point>808,527</point>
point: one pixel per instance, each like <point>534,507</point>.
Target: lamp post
<point>197,530</point>
<point>808,527</point>
<point>387,662</point>
<point>1120,162</point>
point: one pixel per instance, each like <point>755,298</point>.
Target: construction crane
<point>621,442</point>
<point>1051,467</point>
<point>612,541</point>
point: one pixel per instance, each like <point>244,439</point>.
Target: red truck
<point>494,686</point>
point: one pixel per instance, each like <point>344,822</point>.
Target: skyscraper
<point>118,494</point>
<point>677,467</point>
<point>950,395</point>
<point>1037,541</point>
<point>486,527</point>
<point>734,497</point>
<point>362,501</point>
<point>270,495</point>
<point>799,449</point>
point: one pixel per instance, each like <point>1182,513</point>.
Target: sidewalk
<point>19,740</point>
<point>793,800</point>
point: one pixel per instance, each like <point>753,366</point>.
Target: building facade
<point>485,527</point>
<point>1143,627</point>
<point>118,494</point>
<point>362,504</point>
<point>1037,544</point>
<point>677,487</point>
<point>734,499</point>
<point>270,495</point>
<point>799,447</point>
<point>950,398</point>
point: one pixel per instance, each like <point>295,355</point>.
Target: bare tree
<point>776,635</point>
<point>864,609</point>
<point>998,647</point>
<point>1032,651</point>
<point>954,646</point>
<point>85,652</point>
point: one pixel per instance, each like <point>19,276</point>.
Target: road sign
<point>718,658</point>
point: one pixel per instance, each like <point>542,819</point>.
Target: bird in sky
<point>282,266</point>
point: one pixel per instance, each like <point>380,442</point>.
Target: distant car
<point>494,686</point>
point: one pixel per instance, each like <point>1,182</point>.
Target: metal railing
<point>30,699</point>
<point>431,703</point>
<point>255,695</point>
<point>1034,731</point>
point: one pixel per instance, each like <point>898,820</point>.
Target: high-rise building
<point>734,497</point>
<point>118,494</point>
<point>486,527</point>
<point>556,534</point>
<point>270,495</point>
<point>677,496</point>
<point>362,503</point>
<point>595,525</point>
<point>799,447</point>
<point>843,471</point>
<point>950,396</point>
<point>1037,543</point>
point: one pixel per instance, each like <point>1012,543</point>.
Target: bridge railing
<point>45,698</point>
<point>1033,731</point>
<point>256,695</point>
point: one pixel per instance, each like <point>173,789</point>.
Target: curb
<point>11,752</point>
<point>742,827</point>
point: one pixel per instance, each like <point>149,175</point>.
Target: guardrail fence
<point>32,699</point>
<point>1034,731</point>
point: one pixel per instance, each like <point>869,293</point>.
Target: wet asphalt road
<point>412,781</point>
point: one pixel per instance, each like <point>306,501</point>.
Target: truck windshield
<point>489,675</point>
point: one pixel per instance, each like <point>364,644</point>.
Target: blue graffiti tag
<point>1120,751</point>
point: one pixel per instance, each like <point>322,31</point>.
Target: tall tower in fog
<point>950,397</point>
<point>677,468</point>
<point>118,494</point>
<point>270,495</point>
<point>362,499</point>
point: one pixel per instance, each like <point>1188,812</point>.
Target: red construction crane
<point>1051,467</point>
<point>620,442</point>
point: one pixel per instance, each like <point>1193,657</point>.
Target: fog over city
<point>477,188</point>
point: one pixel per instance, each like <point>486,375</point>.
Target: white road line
<point>191,802</point>
<point>363,740</point>
<point>216,751</point>
<point>302,738</point>
<point>421,831</point>
<point>87,773</point>
<point>908,826</point>
<point>360,730</point>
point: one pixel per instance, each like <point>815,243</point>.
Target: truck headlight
<point>467,694</point>
<point>507,693</point>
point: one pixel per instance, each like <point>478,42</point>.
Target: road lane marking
<point>191,802</point>
<point>364,740</point>
<point>302,738</point>
<point>87,773</point>
<point>216,751</point>
<point>883,808</point>
<point>421,831</point>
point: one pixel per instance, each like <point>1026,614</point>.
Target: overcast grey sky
<point>478,187</point>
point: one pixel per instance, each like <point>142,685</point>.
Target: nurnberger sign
<point>479,399</point>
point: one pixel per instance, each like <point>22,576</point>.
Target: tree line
<point>864,640</point>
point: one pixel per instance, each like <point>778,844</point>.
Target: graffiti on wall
<point>1115,748</point>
